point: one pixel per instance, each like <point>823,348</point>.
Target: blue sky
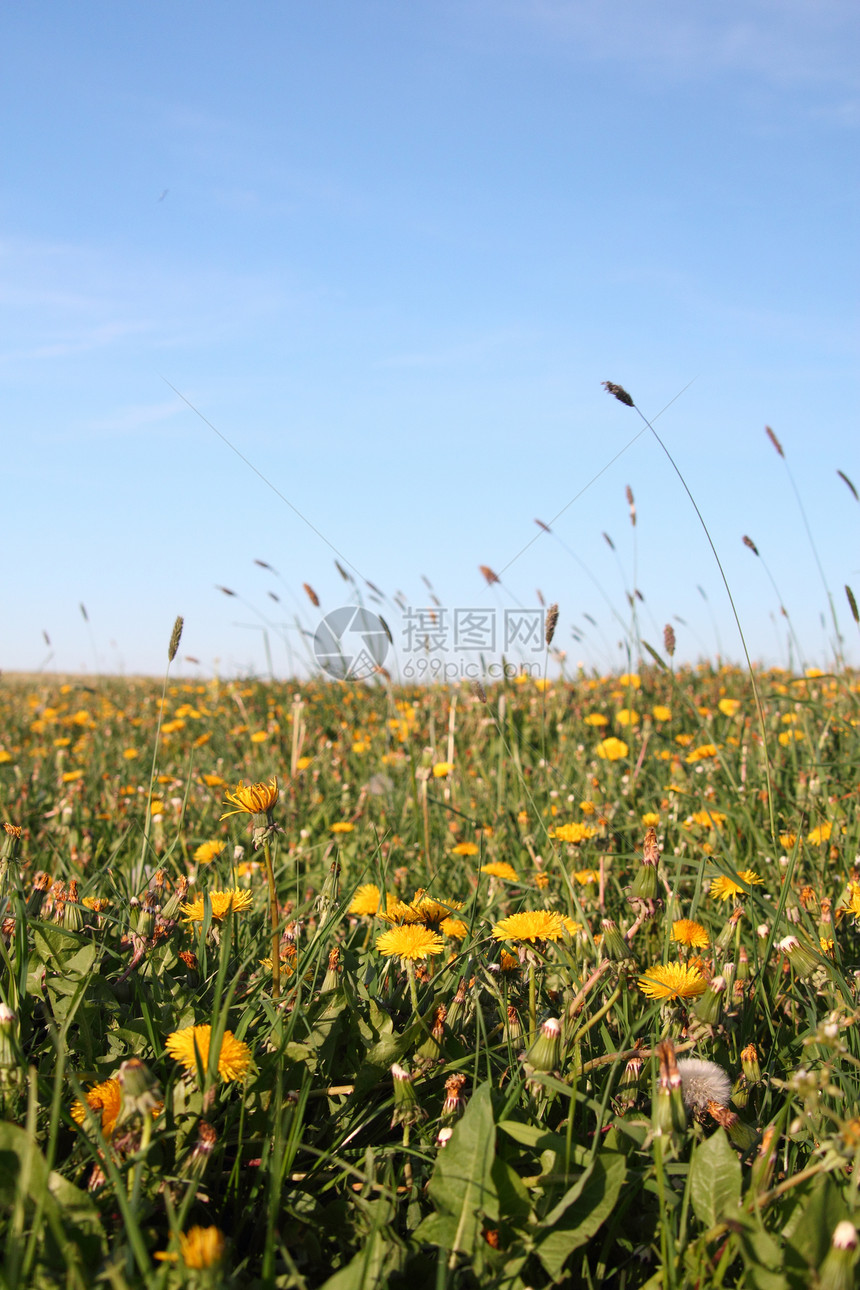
<point>390,251</point>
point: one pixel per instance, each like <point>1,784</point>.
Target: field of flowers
<point>355,985</point>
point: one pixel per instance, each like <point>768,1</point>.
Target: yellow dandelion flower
<point>574,832</point>
<point>234,1057</point>
<point>199,1247</point>
<point>130,753</point>
<point>571,925</point>
<point>729,707</point>
<point>107,1098</point>
<point>672,981</point>
<point>69,776</point>
<point>531,925</point>
<point>235,899</point>
<point>707,819</point>
<point>661,713</point>
<point>820,834</point>
<point>701,753</point>
<point>630,680</point>
<point>509,962</point>
<point>541,881</point>
<point>455,928</point>
<point>465,849</point>
<point>410,941</point>
<point>651,819</point>
<point>303,763</point>
<point>724,888</point>
<point>342,826</point>
<point>585,876</point>
<point>212,781</point>
<point>612,749</point>
<point>252,799</point>
<point>208,851</point>
<point>500,869</point>
<point>442,769</point>
<point>432,912</point>
<point>686,932</point>
<point>596,719</point>
<point>627,717</point>
<point>787,737</point>
<point>787,840</point>
<point>366,900</point>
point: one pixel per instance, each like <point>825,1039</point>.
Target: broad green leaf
<point>715,1180</point>
<point>462,1187</point>
<point>596,1194</point>
<point>814,1220</point>
<point>529,1135</point>
<point>514,1202</point>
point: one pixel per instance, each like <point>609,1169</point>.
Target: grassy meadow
<point>565,988</point>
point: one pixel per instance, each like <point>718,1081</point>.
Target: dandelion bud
<point>668,1115</point>
<point>801,958</point>
<point>146,919</point>
<point>141,1091</point>
<point>331,980</point>
<point>194,1164</point>
<point>550,623</point>
<point>41,883</point>
<point>175,638</point>
<point>628,1085</point>
<point>406,1108</point>
<point>513,1026</point>
<point>544,1052</point>
<point>443,1137</point>
<point>614,945</point>
<point>709,1005</point>
<point>836,1272</point>
<point>724,939</point>
<point>327,899</point>
<point>743,964</point>
<point>763,1165</point>
<point>645,882</point>
<point>740,1093</point>
<point>431,1049</point>
<point>703,1082</point>
<point>750,1064</point>
<point>176,899</point>
<point>9,1057</point>
<point>73,915</point>
<point>454,1104</point>
<point>740,1134</point>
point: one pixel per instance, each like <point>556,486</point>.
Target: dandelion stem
<point>273,912</point>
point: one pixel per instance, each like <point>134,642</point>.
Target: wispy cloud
<point>782,42</point>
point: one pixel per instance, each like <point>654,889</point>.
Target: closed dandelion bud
<point>193,975</point>
<point>176,899</point>
<point>9,1058</point>
<point>628,1085</point>
<point>645,882</point>
<point>431,1049</point>
<point>146,918</point>
<point>728,974</point>
<point>331,980</point>
<point>801,958</point>
<point>837,1270</point>
<point>141,1091</point>
<point>726,936</point>
<point>41,883</point>
<point>544,1052</point>
<point>614,945</point>
<point>194,1164</point>
<point>709,1006</point>
<point>763,1165</point>
<point>459,1012</point>
<point>455,1103</point>
<point>443,1137</point>
<point>406,1108</point>
<point>327,899</point>
<point>73,915</point>
<point>668,1115</point>
<point>750,1064</point>
<point>10,845</point>
<point>513,1026</point>
<point>743,964</point>
<point>703,1082</point>
<point>740,1134</point>
<point>740,1093</point>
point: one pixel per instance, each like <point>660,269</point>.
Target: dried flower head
<point>703,1082</point>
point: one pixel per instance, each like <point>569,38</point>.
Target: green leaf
<point>514,1202</point>
<point>810,1226</point>
<point>461,1186</point>
<point>580,1212</point>
<point>715,1180</point>
<point>370,1267</point>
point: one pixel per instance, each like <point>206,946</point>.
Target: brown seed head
<point>551,623</point>
<point>619,393</point>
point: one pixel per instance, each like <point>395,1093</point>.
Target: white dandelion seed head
<point>703,1082</point>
